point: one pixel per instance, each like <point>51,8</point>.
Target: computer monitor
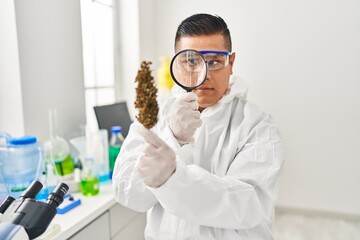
<point>116,114</point>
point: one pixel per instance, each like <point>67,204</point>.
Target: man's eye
<point>213,62</point>
<point>193,61</point>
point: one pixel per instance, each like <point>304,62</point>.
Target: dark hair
<point>203,24</point>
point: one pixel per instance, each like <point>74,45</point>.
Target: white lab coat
<point>225,183</point>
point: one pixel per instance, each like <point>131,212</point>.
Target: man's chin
<point>203,105</point>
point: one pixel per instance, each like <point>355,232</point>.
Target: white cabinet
<point>98,217</point>
<point>134,230</point>
<point>118,223</point>
<point>98,229</point>
<point>126,224</point>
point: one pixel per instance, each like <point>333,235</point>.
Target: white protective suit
<point>225,183</point>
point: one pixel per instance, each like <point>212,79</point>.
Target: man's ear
<point>231,62</point>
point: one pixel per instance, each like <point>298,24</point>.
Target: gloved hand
<point>185,117</point>
<point>158,161</point>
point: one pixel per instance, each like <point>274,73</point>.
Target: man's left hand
<point>158,161</point>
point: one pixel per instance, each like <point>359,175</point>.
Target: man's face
<point>217,81</point>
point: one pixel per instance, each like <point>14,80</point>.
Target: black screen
<point>113,115</point>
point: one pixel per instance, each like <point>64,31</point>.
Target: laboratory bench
<point>97,217</point>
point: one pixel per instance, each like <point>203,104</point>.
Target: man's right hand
<point>185,117</point>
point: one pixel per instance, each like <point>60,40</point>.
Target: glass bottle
<point>116,141</point>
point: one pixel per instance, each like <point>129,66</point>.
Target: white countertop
<point>65,225</point>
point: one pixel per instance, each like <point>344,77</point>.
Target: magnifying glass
<point>189,69</point>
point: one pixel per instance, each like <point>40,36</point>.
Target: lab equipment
<point>57,150</point>
<point>26,218</point>
<point>89,179</point>
<point>20,161</point>
<point>189,68</point>
<point>113,115</point>
<point>69,203</point>
<point>94,145</point>
<point>116,141</point>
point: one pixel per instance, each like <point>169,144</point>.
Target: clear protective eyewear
<point>216,60</point>
<point>189,68</point>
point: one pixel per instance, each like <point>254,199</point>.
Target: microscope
<point>27,218</point>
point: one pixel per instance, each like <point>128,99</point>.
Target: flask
<point>89,180</point>
<point>57,149</point>
<point>48,178</point>
<point>94,144</point>
<point>116,141</point>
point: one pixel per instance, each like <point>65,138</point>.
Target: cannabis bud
<point>146,93</point>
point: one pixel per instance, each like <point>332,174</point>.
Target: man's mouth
<point>204,88</point>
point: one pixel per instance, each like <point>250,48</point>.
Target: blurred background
<point>300,58</point>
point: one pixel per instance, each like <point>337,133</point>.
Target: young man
<point>210,168</point>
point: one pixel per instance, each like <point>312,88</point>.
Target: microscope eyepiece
<point>56,197</point>
<point>6,203</point>
<point>32,190</point>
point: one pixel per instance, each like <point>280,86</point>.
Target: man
<point>210,167</point>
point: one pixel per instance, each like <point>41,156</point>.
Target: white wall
<point>11,116</point>
<point>50,50</point>
<point>301,59</point>
<point>129,51</point>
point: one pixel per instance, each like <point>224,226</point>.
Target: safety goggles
<point>216,60</point>
<point>193,61</point>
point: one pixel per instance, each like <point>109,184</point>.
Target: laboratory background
<point>301,60</point>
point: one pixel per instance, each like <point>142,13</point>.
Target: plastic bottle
<point>21,165</point>
<point>89,179</point>
<point>116,141</point>
<point>99,151</point>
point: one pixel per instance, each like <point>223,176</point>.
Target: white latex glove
<point>185,117</point>
<point>158,161</point>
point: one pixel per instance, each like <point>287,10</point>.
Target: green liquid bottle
<point>116,141</point>
<point>113,153</point>
<point>65,166</point>
<point>90,186</point>
<point>89,180</point>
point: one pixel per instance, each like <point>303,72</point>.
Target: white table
<point>97,215</point>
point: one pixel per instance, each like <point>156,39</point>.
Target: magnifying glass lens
<point>189,69</point>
